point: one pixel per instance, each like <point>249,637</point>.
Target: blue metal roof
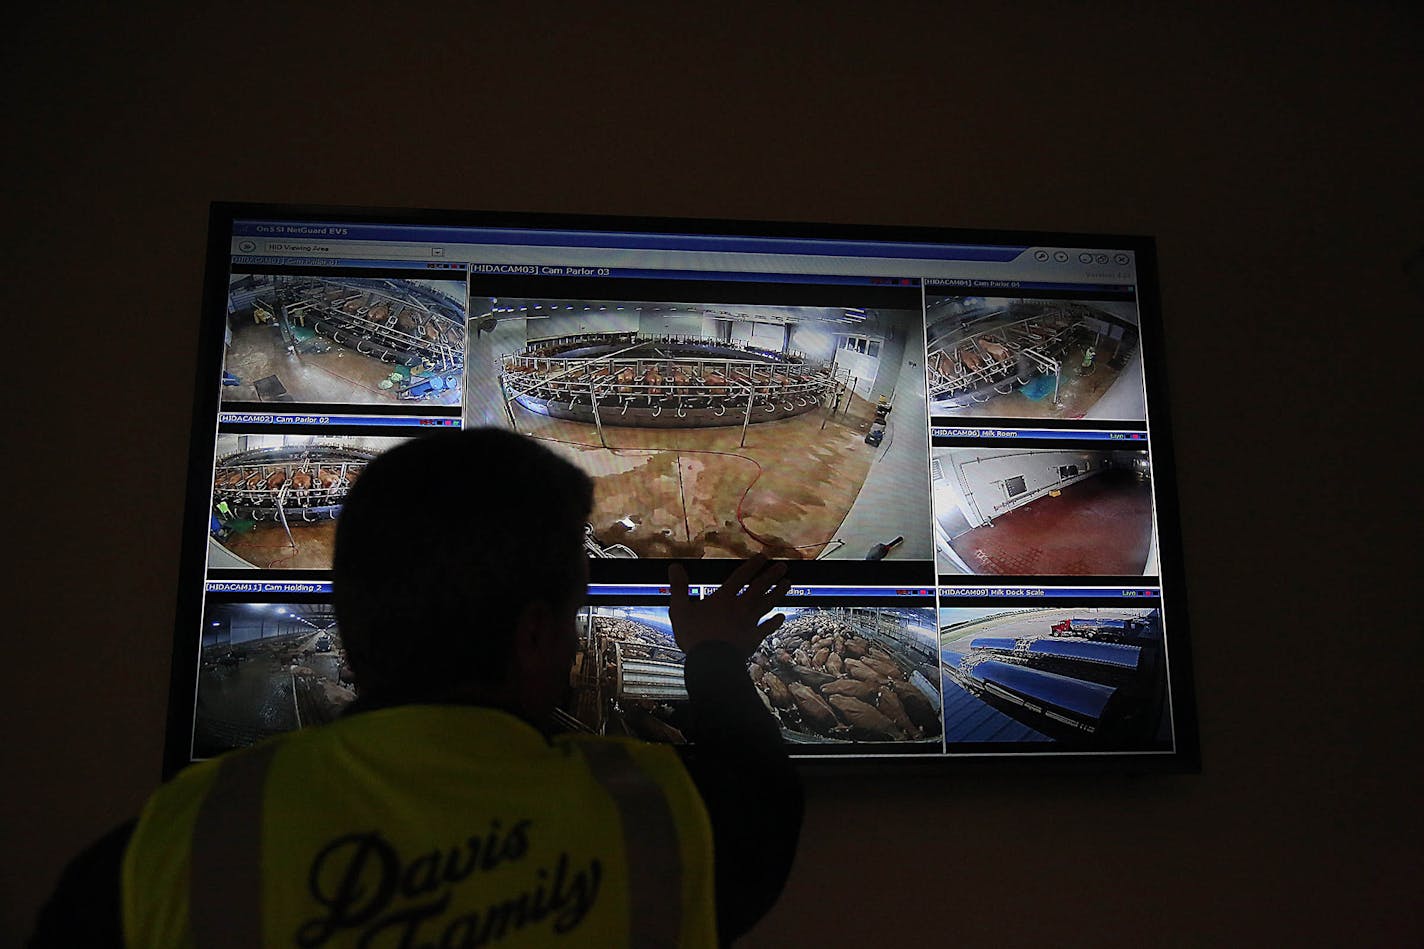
<point>967,718</point>
<point>1087,699</point>
<point>1112,654</point>
<point>994,642</point>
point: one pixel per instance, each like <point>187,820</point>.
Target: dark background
<point>1273,150</point>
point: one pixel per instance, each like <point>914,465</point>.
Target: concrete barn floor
<point>339,376</point>
<point>267,548</point>
<point>693,493</point>
<point>265,693</point>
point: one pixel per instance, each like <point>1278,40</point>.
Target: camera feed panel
<point>344,340</point>
<point>276,497</point>
<point>1011,358</point>
<point>1043,512</point>
<point>857,675</point>
<point>627,676</point>
<point>264,669</point>
<point>720,430</point>
<point>1054,679</point>
<point>838,680</point>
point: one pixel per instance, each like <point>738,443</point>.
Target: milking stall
<point>276,497</point>
<point>267,668</point>
<point>1016,358</point>
<point>344,340</point>
<point>666,382</point>
<point>718,430</point>
<point>830,676</point>
<point>1077,676</point>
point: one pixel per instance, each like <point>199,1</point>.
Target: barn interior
<point>344,340</point>
<point>267,668</point>
<point>719,430</point>
<point>1017,358</point>
<point>276,497</point>
<point>1070,675</point>
<point>1043,512</point>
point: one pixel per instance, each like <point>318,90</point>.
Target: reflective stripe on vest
<point>650,842</point>
<point>225,875</point>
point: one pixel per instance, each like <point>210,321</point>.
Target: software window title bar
<point>1020,271</point>
<point>526,237</point>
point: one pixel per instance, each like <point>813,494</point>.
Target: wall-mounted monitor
<point>958,438</point>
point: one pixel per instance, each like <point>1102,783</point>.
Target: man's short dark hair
<point>441,544</point>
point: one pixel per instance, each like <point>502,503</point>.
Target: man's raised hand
<point>731,614</point>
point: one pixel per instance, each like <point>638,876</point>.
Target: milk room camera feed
<point>1043,512</point>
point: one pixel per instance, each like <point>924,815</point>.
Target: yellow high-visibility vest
<point>424,826</point>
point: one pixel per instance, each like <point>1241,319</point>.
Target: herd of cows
<point>823,680</point>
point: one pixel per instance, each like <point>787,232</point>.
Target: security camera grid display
<point>1020,358</point>
<point>1081,678</point>
<point>264,669</point>
<point>719,430</point>
<point>1043,512</point>
<point>276,497</point>
<point>344,340</point>
<point>863,680</point>
<point>714,430</point>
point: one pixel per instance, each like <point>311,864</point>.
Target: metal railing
<point>377,315</point>
<point>951,373</point>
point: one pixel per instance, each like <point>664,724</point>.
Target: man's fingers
<point>764,581</point>
<point>777,593</point>
<point>677,584</point>
<point>767,601</point>
<point>744,572</point>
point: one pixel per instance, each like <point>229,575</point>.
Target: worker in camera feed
<point>444,808</point>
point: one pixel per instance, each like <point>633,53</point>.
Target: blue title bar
<point>858,592</point>
<point>971,286</point>
<point>549,270</point>
<point>438,269</point>
<point>635,589</point>
<point>1087,434</point>
<point>627,589</point>
<point>1102,593</point>
<point>624,240</point>
<point>269,586</point>
<point>378,421</point>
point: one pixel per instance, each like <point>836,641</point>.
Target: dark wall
<point>1273,152</point>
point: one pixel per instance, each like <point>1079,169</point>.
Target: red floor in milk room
<point>1099,526</point>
